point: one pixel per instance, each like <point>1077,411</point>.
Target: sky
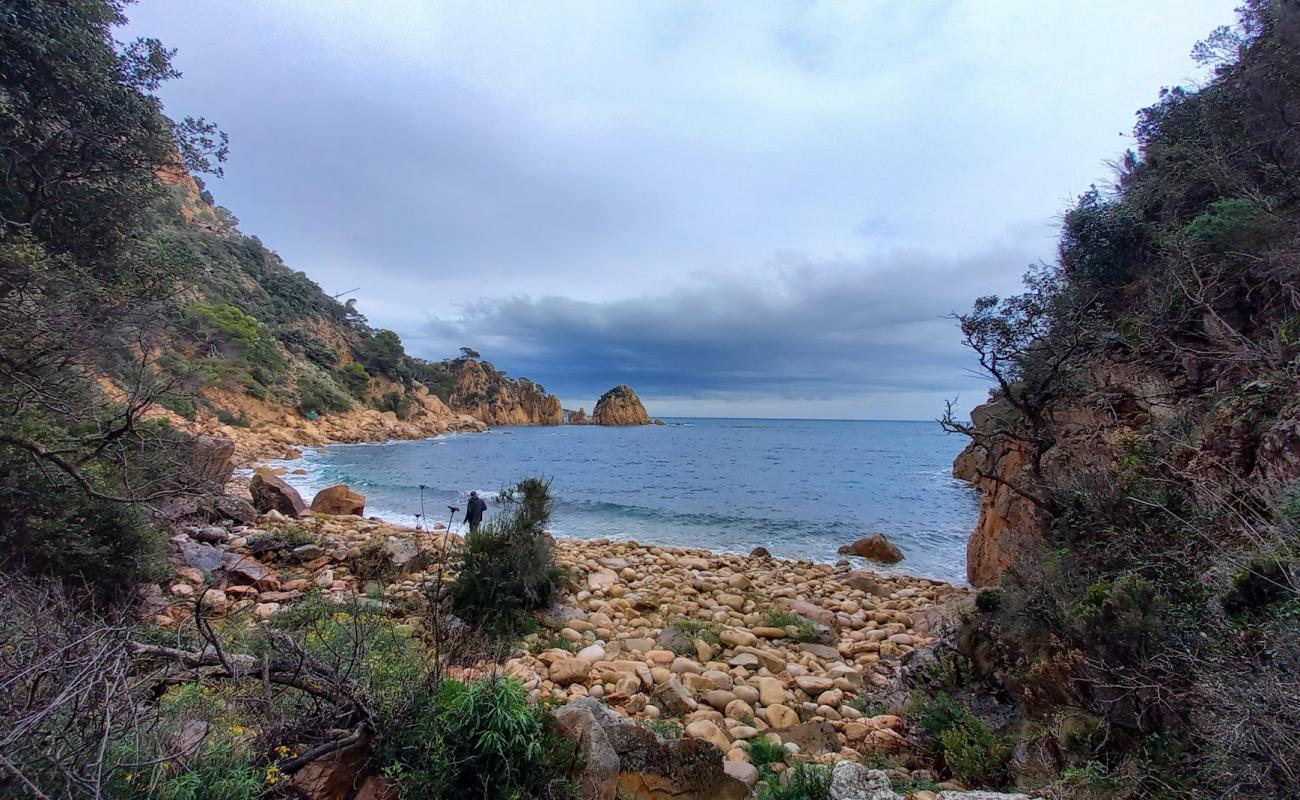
<point>744,208</point>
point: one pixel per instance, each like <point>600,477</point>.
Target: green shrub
<point>318,396</point>
<point>664,728</point>
<point>805,629</point>
<point>706,631</point>
<point>397,402</point>
<point>180,405</point>
<point>221,770</point>
<point>1232,223</point>
<point>483,739</point>
<point>806,782</point>
<point>962,740</point>
<point>507,568</point>
<point>1261,583</point>
<point>988,600</point>
<point>50,526</point>
<point>355,379</point>
<point>763,752</point>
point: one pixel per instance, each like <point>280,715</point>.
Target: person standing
<point>474,511</point>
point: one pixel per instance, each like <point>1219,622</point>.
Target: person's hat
<point>473,494</point>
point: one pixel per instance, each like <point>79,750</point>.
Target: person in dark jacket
<point>474,511</point>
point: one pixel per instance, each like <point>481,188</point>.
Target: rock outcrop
<point>339,499</point>
<point>271,493</point>
<point>578,417</point>
<point>620,406</point>
<point>875,547</point>
<point>489,395</point>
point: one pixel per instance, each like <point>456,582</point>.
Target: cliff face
<point>620,406</point>
<point>578,417</point>
<point>489,395</point>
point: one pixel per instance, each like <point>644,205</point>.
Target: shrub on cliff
<point>507,568</point>
<point>1148,381</point>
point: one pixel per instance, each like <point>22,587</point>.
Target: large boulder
<point>211,459</point>
<point>339,500</point>
<point>620,406</point>
<point>875,547</point>
<point>242,570</point>
<point>600,764</point>
<point>271,493</point>
<point>850,781</point>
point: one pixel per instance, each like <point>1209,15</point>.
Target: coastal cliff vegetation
<point>1139,457</point>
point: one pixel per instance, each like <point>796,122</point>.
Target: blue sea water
<point>800,488</point>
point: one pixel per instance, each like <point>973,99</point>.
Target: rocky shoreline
<point>729,647</point>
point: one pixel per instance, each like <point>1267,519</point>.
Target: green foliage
<point>804,629</point>
<point>806,782</point>
<point>1101,242</point>
<point>399,403</point>
<point>1232,224</point>
<point>52,527</point>
<point>507,568</point>
<point>664,728</point>
<point>382,354</point>
<point>988,600</point>
<point>317,395</point>
<point>707,631</point>
<point>355,379</point>
<point>962,740</point>
<point>483,739</point>
<point>1263,582</point>
<point>763,752</point>
<point>221,770</point>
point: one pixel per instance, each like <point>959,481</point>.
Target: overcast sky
<point>740,208</point>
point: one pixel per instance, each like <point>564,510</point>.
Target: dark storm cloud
<point>801,330</point>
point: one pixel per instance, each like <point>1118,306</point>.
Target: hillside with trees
<point>1139,458</point>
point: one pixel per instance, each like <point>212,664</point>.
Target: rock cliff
<point>489,395</point>
<point>620,406</point>
<point>578,417</point>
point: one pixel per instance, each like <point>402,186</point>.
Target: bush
<point>507,568</point>
<point>52,527</point>
<point>397,402</point>
<point>806,782</point>
<point>319,397</point>
<point>805,630</point>
<point>962,740</point>
<point>482,739</point>
<point>355,379</point>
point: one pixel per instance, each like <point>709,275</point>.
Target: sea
<point>800,488</point>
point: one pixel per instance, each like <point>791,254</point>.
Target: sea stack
<point>620,406</point>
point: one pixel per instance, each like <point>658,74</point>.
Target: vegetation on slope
<point>1150,635</point>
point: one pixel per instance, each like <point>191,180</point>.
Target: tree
<point>83,286</point>
<point>469,352</point>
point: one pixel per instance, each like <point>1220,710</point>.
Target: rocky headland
<point>489,395</point>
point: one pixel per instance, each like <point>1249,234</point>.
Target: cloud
<point>796,330</point>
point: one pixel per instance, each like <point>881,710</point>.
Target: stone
<point>568,671</point>
<point>709,732</point>
<point>271,493</point>
<point>770,691</point>
<point>211,459</point>
<point>760,552</point>
<point>229,507</point>
<point>850,781</point>
<point>203,557</point>
<point>735,637</point>
<point>592,653</point>
<point>814,684</point>
<point>339,500</point>
<point>325,580</point>
<point>812,738</point>
<point>672,638</point>
<point>875,547</point>
<point>601,579</point>
<point>742,771</point>
<point>865,582</point>
<point>810,611</point>
<point>781,716</point>
<point>247,571</point>
<point>405,555</point>
<point>673,698</point>
<point>598,779</point>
